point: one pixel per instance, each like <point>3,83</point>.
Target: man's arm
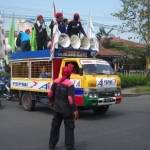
<point>69,29</point>
<point>82,30</point>
<point>71,100</point>
<point>51,92</point>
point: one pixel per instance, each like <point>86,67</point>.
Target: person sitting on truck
<point>23,40</point>
<point>41,33</point>
<point>75,26</point>
<point>43,73</point>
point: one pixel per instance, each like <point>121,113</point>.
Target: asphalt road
<point>125,127</point>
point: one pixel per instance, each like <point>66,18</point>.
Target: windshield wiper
<point>100,73</point>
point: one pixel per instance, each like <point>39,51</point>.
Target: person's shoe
<point>51,148</point>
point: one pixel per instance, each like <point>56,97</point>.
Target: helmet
<point>59,15</point>
<point>76,17</point>
<point>66,71</point>
<point>39,17</point>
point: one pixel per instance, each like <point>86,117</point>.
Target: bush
<point>4,74</point>
<point>148,84</point>
<point>133,80</point>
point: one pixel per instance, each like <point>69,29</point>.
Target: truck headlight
<point>90,95</point>
<point>86,92</point>
<point>95,95</point>
<point>118,93</point>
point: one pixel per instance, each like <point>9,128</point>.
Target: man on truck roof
<point>75,26</point>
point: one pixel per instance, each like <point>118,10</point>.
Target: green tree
<point>135,15</point>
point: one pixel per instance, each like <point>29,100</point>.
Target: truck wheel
<point>101,109</point>
<point>27,101</point>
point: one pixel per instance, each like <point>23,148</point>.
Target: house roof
<point>127,42</point>
<point>108,52</point>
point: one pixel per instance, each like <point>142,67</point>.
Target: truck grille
<point>106,94</point>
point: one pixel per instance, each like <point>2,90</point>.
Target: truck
<point>96,85</point>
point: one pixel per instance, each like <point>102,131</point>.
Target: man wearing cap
<point>60,22</point>
<point>75,26</point>
<point>64,109</point>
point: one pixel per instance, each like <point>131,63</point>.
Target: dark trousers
<point>25,46</point>
<point>41,43</point>
<point>69,130</point>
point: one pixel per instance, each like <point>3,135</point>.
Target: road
<point>125,127</point>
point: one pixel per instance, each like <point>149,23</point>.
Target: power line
<point>48,19</point>
<point>49,12</point>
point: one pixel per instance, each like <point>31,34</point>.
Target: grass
<point>141,89</point>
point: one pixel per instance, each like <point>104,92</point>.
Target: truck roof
<point>45,54</point>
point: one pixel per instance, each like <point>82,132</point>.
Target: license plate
<point>107,100</point>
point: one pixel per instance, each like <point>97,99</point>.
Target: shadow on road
<point>84,114</point>
<point>89,115</point>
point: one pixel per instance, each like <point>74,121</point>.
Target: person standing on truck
<point>62,91</point>
<point>41,33</point>
<point>60,22</point>
<point>75,26</point>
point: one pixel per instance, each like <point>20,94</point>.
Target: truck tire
<point>101,109</point>
<point>27,101</point>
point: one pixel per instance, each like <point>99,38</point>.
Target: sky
<point>100,10</point>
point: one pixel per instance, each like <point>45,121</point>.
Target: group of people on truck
<point>74,27</point>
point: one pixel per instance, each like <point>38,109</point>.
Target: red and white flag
<point>56,33</point>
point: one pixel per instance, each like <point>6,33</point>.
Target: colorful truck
<point>96,85</point>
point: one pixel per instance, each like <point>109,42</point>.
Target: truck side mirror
<point>81,71</point>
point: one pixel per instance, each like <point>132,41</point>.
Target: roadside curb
<point>134,94</point>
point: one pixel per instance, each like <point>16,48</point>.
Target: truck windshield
<point>97,69</point>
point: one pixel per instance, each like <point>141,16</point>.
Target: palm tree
<point>104,37</point>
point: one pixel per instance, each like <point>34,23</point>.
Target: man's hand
<point>76,115</point>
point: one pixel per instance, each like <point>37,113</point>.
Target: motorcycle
<point>5,89</point>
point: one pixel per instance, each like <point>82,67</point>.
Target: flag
<point>55,38</point>
<point>11,38</point>
<point>94,44</point>
<point>55,35</point>
<point>90,28</point>
<point>54,9</point>
<point>2,39</point>
<point>2,53</point>
<point>33,40</point>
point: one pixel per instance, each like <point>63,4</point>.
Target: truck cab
<point>96,85</point>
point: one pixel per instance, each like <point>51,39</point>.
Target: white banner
<point>106,82</point>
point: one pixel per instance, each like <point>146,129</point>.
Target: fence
<point>135,72</point>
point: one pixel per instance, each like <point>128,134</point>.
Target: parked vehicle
<point>5,91</point>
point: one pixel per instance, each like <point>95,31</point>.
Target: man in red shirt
<point>62,90</point>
